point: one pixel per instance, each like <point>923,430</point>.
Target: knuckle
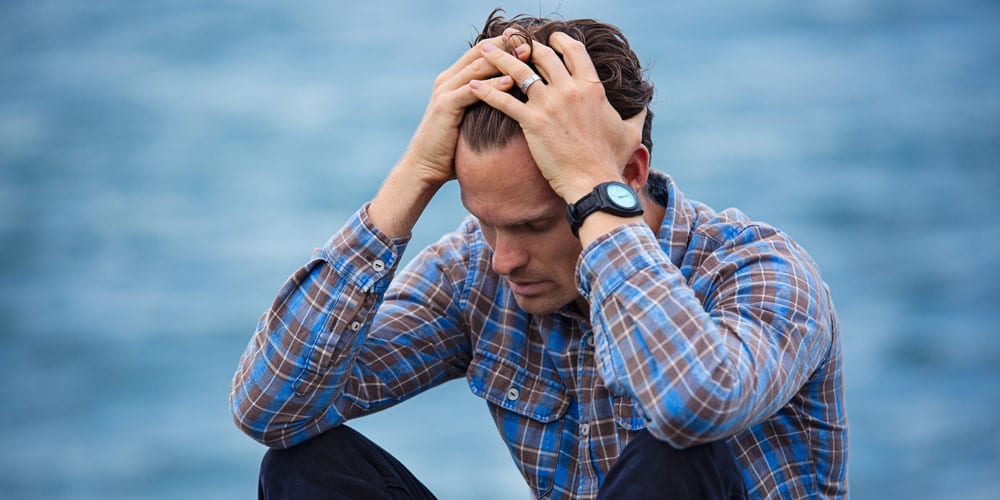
<point>544,50</point>
<point>484,43</point>
<point>435,106</point>
<point>573,43</point>
<point>574,94</point>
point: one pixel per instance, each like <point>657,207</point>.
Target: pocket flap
<point>514,388</point>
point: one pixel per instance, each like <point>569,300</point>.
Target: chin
<point>540,305</point>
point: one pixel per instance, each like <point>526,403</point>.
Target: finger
<point>509,65</point>
<point>468,58</point>
<point>499,99</point>
<point>549,64</point>
<point>575,56</point>
<point>464,96</point>
<point>475,52</point>
<point>518,43</point>
<point>477,69</point>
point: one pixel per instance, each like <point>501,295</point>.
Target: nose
<point>509,254</point>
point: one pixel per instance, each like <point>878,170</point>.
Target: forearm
<point>702,364</point>
<point>401,200</point>
<point>429,160</point>
<point>300,356</point>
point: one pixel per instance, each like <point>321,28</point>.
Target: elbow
<point>684,429</point>
<point>250,421</point>
<point>264,435</point>
<point>712,411</point>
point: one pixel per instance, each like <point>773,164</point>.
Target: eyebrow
<point>528,219</point>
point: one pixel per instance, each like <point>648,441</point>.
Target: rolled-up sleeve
<point>292,367</point>
<point>714,346</point>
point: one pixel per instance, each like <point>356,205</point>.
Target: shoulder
<point>461,255</point>
<point>459,246</point>
<point>730,227</point>
<point>729,241</point>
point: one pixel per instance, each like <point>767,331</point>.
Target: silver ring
<point>528,81</point>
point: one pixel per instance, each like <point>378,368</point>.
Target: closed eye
<point>535,226</point>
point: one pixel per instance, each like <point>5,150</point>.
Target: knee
<point>340,463</point>
<point>648,465</point>
<point>712,461</point>
<point>313,456</point>
<point>713,456</point>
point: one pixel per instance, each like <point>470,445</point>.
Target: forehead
<point>503,186</point>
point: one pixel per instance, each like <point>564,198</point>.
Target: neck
<point>653,212</point>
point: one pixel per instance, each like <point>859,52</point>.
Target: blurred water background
<point>164,166</point>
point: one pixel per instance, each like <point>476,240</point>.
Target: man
<point>629,342</point>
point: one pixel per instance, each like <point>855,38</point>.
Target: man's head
<point>521,217</point>
<point>617,65</point>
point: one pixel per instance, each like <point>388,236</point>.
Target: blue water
<point>165,165</point>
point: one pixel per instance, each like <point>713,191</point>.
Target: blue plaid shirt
<point>716,327</point>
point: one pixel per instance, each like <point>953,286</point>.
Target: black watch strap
<point>611,197</point>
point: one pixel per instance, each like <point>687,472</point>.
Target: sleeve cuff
<point>615,257</point>
<point>362,254</point>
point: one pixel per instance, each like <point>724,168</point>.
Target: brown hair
<point>484,127</point>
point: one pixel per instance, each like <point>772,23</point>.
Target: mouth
<point>527,288</point>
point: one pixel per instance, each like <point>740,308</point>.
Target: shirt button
<point>513,393</point>
<point>355,326</point>
<point>584,429</point>
<point>378,265</point>
<point>590,341</point>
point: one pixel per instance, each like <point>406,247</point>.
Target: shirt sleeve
<point>712,350</point>
<point>345,336</point>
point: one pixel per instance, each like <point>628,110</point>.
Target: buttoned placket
<point>585,374</point>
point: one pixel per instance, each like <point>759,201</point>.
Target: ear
<point>637,168</point>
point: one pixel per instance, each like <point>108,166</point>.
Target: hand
<point>575,136</point>
<point>432,149</point>
<point>429,161</point>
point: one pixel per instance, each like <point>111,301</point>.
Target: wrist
<point>613,198</point>
<point>400,201</point>
<point>583,185</point>
<point>421,174</point>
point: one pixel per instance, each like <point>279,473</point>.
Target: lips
<point>527,287</point>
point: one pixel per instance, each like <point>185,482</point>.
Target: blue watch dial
<point>622,196</point>
<point>612,197</point>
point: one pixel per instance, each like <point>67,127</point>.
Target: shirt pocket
<point>528,411</point>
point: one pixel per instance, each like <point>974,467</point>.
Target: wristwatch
<point>611,197</point>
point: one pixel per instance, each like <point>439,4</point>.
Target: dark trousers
<point>343,464</point>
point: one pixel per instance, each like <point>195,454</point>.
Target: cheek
<point>564,253</point>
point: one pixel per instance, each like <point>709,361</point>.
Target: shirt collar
<point>679,219</point>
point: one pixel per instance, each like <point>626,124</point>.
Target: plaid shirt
<point>716,328</point>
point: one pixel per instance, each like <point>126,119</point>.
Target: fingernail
<point>505,80</point>
<point>489,47</point>
<point>475,84</point>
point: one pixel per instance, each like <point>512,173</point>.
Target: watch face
<point>622,196</point>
